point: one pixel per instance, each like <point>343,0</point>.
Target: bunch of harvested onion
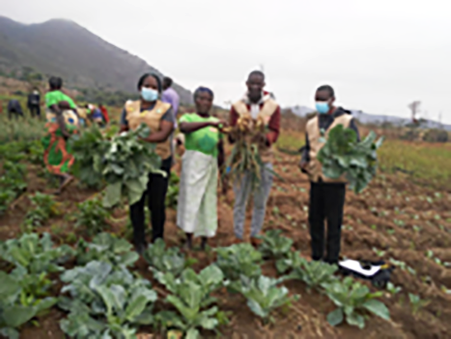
<point>245,156</point>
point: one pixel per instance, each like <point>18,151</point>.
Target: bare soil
<point>392,215</point>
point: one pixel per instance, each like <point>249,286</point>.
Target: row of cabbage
<point>104,298</point>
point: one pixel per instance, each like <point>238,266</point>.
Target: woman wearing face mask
<point>204,153</point>
<point>327,196</point>
<point>158,116</point>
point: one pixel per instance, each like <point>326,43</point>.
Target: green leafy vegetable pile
<point>105,302</point>
<point>275,245</point>
<point>35,254</point>
<point>12,183</point>
<point>92,216</point>
<point>314,273</point>
<point>104,298</point>
<point>237,260</point>
<point>123,161</point>
<point>162,259</point>
<point>291,261</point>
<point>45,207</point>
<point>343,154</point>
<point>18,303</point>
<point>25,292</point>
<point>191,296</point>
<point>263,296</point>
<point>351,298</point>
<point>106,247</point>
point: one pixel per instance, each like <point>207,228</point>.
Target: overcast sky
<point>379,55</point>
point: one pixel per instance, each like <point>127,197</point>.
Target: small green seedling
<point>417,303</point>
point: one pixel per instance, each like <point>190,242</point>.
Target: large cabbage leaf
<point>122,161</point>
<point>343,154</point>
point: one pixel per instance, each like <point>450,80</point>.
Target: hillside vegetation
<point>64,48</point>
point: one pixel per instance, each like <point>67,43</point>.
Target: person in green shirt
<point>204,154</point>
<point>56,96</point>
<point>62,122</point>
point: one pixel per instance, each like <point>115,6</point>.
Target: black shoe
<point>141,248</point>
<point>331,261</point>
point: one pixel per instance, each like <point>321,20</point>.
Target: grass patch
<point>290,140</point>
<point>427,163</point>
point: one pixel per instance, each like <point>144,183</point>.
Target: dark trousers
<point>326,203</point>
<point>157,188</point>
<point>15,112</point>
<point>35,110</point>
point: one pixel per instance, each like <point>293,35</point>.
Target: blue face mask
<point>322,107</point>
<point>149,94</point>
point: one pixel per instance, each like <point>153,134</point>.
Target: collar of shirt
<point>264,97</point>
<point>325,120</point>
<point>255,107</point>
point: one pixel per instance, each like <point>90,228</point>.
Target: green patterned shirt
<point>204,140</point>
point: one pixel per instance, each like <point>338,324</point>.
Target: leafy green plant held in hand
<point>245,155</point>
<point>343,154</point>
<point>108,248</point>
<point>162,259</point>
<point>88,149</point>
<point>45,207</point>
<point>239,259</point>
<point>92,216</point>
<point>191,296</point>
<point>263,296</point>
<point>314,273</point>
<point>123,161</point>
<point>351,298</point>
<point>105,302</point>
<point>274,245</point>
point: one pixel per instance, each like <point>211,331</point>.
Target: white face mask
<point>35,92</point>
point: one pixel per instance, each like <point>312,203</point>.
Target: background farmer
<point>62,122</point>
<point>33,103</point>
<point>14,108</point>
<point>170,96</point>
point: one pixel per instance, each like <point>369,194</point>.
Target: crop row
<point>104,298</point>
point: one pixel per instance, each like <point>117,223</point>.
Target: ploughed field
<point>396,219</point>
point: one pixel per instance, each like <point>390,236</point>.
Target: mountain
<point>366,118</point>
<point>81,58</point>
